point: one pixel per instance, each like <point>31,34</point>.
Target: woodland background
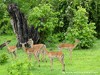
<point>58,20</point>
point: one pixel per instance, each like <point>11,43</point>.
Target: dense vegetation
<point>58,20</point>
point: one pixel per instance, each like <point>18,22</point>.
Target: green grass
<point>84,62</point>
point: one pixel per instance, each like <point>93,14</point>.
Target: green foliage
<point>81,29</point>
<point>94,14</point>
<point>5,26</point>
<point>20,68</point>
<point>3,59</point>
<point>52,39</point>
<point>45,18</point>
<point>64,7</point>
<point>55,17</point>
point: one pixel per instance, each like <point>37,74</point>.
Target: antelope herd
<point>40,49</point>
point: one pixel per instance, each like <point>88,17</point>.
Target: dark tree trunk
<point>20,27</point>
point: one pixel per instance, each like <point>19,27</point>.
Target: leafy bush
<point>5,26</point>
<point>20,68</point>
<point>45,18</point>
<point>81,29</point>
<point>3,58</point>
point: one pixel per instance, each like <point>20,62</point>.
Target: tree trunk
<point>20,27</point>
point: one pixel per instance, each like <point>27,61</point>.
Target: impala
<point>42,49</point>
<point>59,55</point>
<point>68,46</point>
<point>11,49</point>
<point>39,47</point>
<point>31,51</point>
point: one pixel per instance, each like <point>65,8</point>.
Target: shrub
<point>5,26</point>
<point>20,68</point>
<point>3,58</point>
<point>45,18</point>
<point>81,29</point>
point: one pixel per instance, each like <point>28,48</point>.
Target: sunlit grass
<point>84,62</point>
